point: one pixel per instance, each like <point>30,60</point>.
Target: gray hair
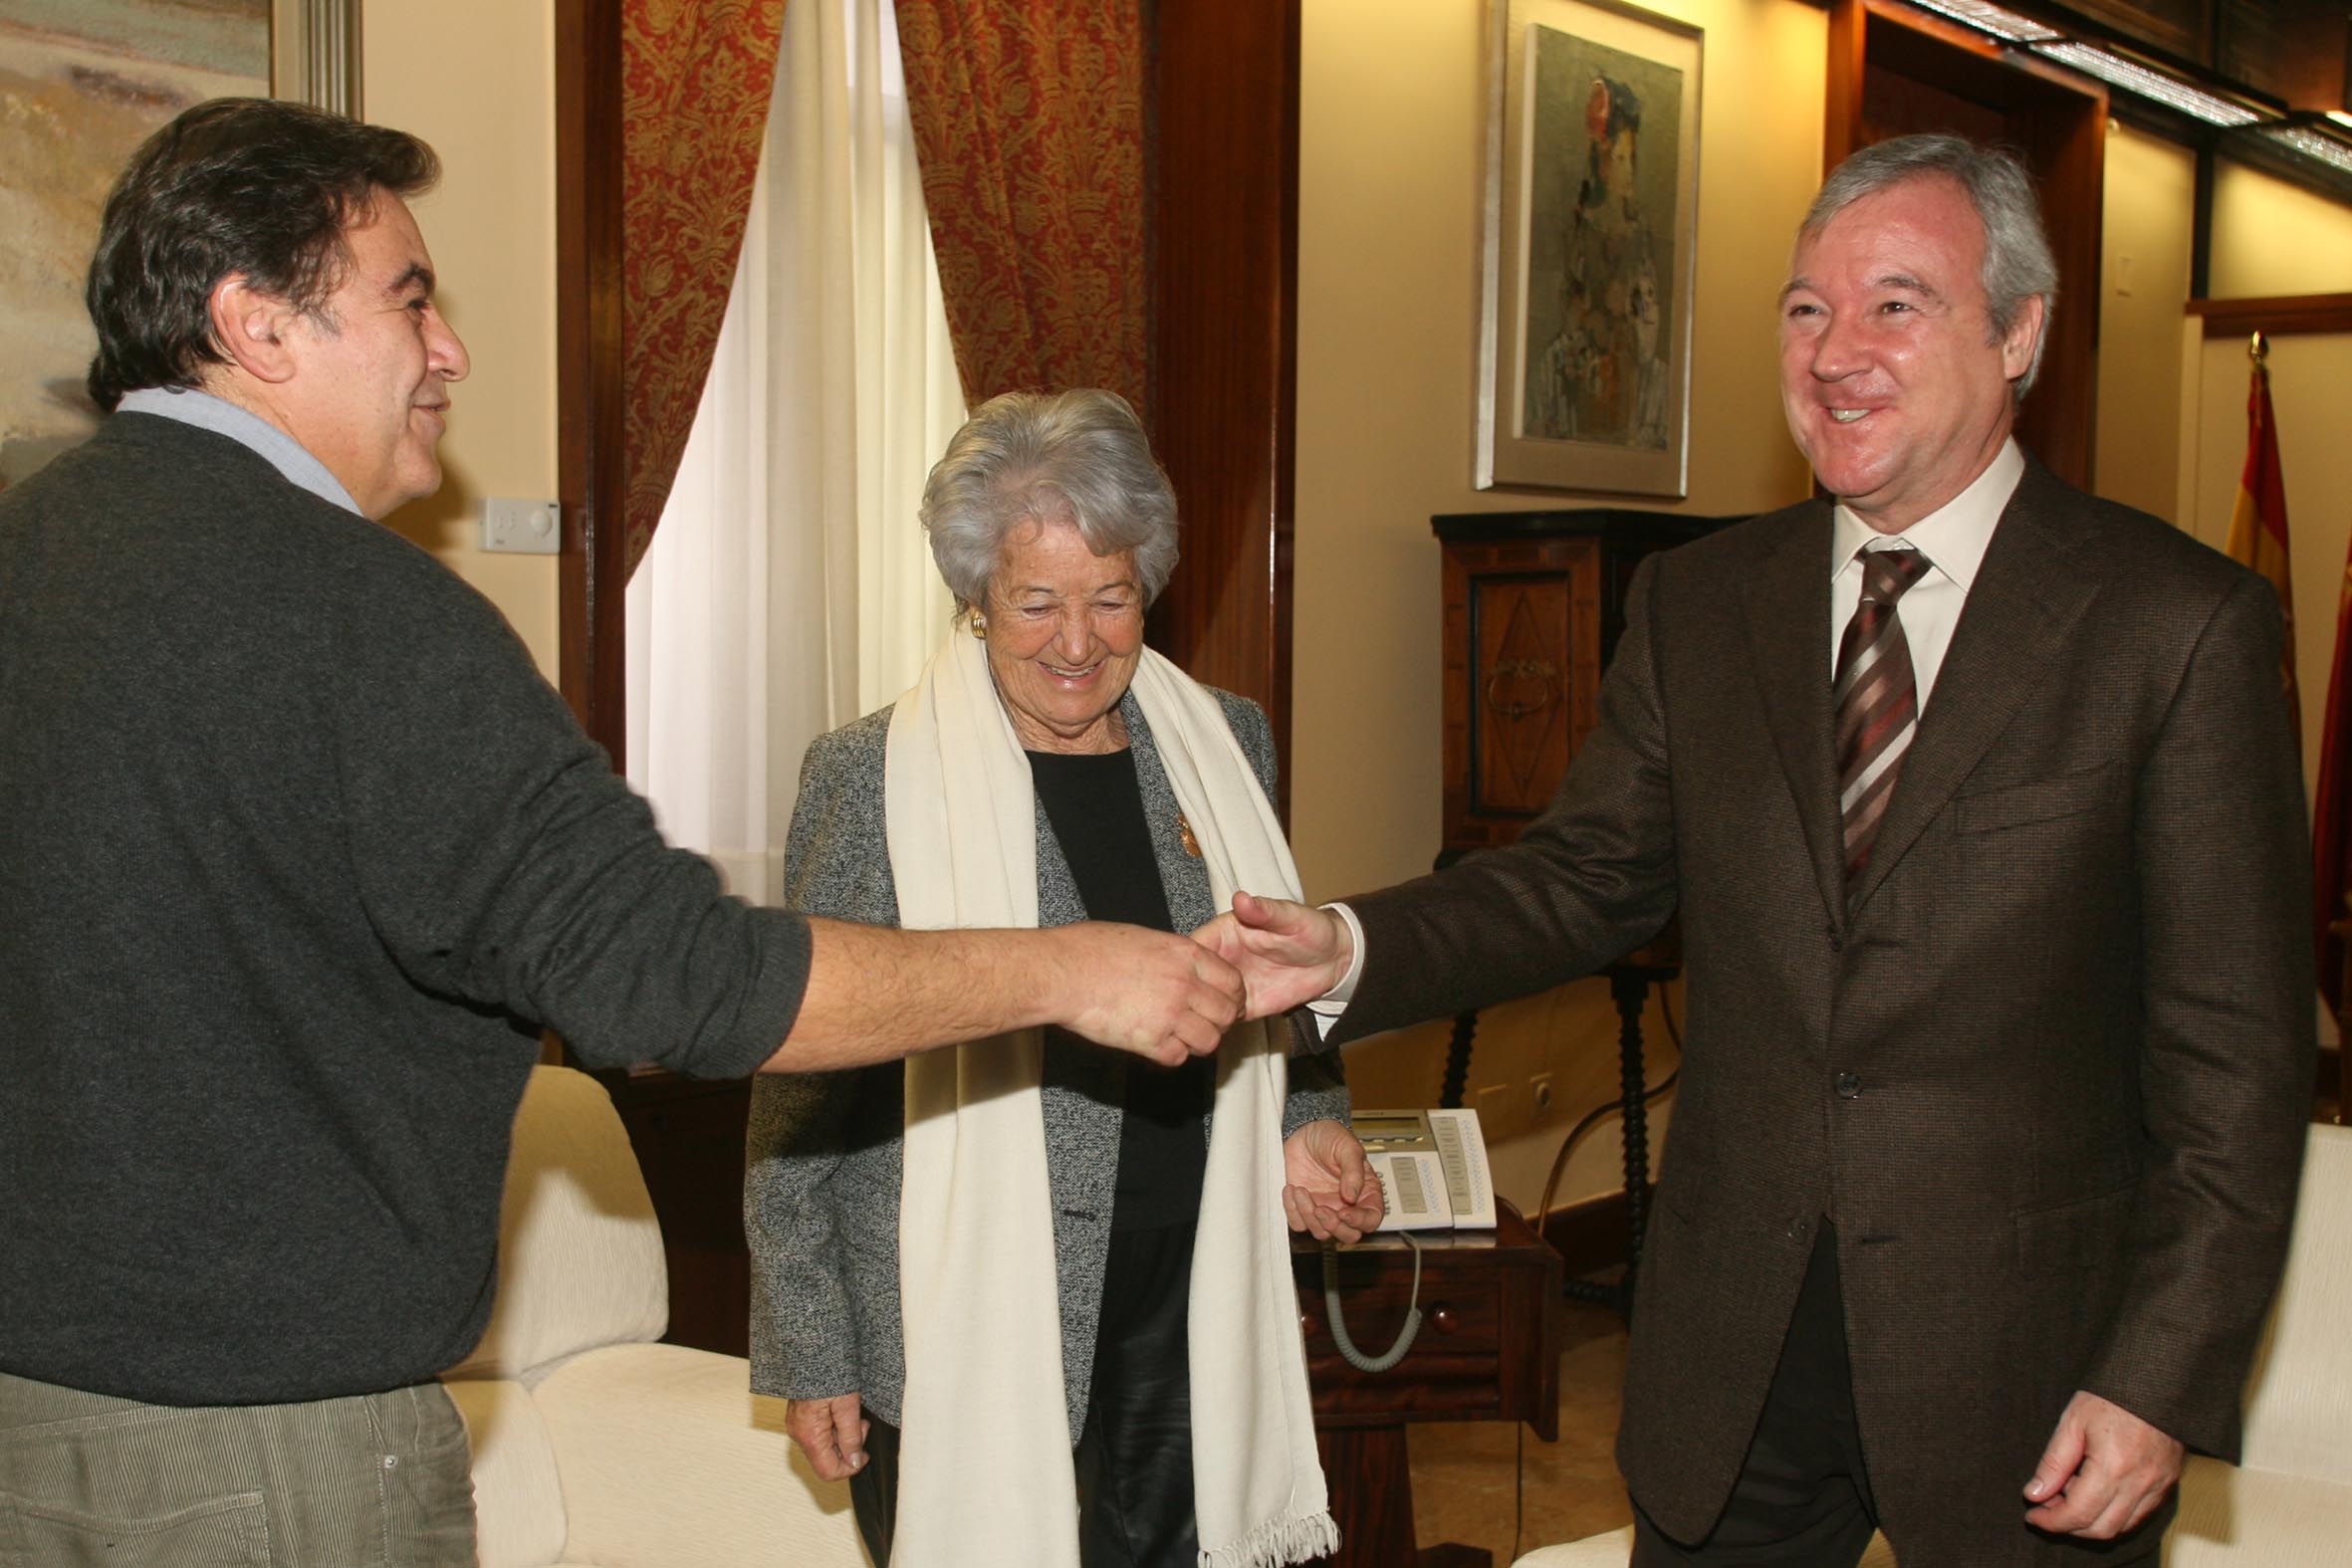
<point>1078,457</point>
<point>2017,261</point>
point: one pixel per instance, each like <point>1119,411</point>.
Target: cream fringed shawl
<point>985,1473</point>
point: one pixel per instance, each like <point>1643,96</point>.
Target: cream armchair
<point>592,1443</point>
<point>2291,1504</point>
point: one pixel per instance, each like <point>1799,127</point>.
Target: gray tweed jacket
<point>820,1199</point>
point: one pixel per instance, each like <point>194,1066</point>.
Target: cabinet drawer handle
<point>1542,672</point>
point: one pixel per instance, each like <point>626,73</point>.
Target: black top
<point>1097,809</point>
<point>297,852</point>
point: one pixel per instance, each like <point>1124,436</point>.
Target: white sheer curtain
<point>788,587</point>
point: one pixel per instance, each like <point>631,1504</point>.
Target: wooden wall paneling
<point>1894,101</point>
<point>2179,27</point>
<point>1893,71</point>
<point>1842,119</point>
<point>2201,223</point>
<point>2277,315</point>
<point>2065,141</point>
<point>590,450</point>
<point>1224,224</point>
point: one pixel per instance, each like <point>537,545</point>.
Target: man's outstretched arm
<point>875,994</point>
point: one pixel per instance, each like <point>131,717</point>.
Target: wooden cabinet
<point>1488,1350</point>
<point>1534,605</point>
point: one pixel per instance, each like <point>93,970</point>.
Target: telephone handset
<point>1432,1167</point>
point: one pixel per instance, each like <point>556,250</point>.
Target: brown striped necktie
<point>1877,701</point>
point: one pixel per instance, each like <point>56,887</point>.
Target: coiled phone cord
<point>1338,1320</point>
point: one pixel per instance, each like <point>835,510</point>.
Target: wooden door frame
<point>1225,329</point>
<point>2058,121</point>
<point>590,451</point>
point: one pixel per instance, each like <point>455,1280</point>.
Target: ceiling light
<point>2138,80</point>
<point>2312,144</point>
<point>1992,19</point>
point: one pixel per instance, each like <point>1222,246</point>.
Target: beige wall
<point>2148,217</point>
<point>477,81</point>
<point>2270,237</point>
<point>1391,111</point>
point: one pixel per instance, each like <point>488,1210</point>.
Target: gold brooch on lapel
<point>1192,845</point>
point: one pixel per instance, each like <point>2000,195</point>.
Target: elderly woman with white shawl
<point>1024,1271</point>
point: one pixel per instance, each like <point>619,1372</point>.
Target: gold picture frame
<point>81,84</point>
<point>315,54</point>
<point>1589,259</point>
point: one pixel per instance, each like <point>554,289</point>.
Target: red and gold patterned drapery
<point>695,81</point>
<point>1029,120</point>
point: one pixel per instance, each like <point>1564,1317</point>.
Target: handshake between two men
<point>1162,997</point>
<point>1153,994</point>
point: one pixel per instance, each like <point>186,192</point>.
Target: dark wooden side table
<point>1488,1350</point>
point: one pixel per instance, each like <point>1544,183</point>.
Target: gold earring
<point>980,626</point>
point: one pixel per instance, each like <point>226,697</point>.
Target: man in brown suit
<point>1989,853</point>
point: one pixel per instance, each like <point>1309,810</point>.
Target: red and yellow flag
<point>2331,815</point>
<point>2331,804</point>
<point>2258,525</point>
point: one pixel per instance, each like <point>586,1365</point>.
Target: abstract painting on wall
<point>81,84</point>
<point>1592,182</point>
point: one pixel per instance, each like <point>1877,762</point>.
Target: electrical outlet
<point>519,527</point>
<point>1539,1090</point>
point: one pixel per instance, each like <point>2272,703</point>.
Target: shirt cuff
<point>1328,1006</point>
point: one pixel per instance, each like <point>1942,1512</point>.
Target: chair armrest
<point>2256,1518</point>
<point>519,1519</point>
<point>668,1460</point>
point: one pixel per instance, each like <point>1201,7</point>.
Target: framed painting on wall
<point>81,84</point>
<point>1591,216</point>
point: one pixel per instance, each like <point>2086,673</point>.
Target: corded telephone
<point>1432,1167</point>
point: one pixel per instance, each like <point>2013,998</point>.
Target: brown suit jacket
<point>2048,1073</point>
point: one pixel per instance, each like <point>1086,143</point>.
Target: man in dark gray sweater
<point>297,852</point>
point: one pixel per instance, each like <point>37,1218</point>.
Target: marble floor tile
<point>1496,1486</point>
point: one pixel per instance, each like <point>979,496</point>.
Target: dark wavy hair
<point>233,186</point>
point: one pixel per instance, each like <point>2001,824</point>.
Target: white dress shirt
<point>1954,538</point>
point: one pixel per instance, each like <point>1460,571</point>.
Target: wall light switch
<point>519,527</point>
